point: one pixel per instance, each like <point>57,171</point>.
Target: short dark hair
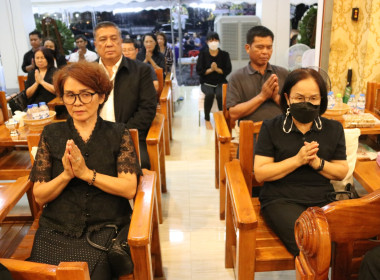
<point>164,36</point>
<point>131,41</point>
<point>91,74</point>
<point>105,24</point>
<point>212,35</point>
<point>48,54</point>
<point>302,74</point>
<point>36,32</point>
<point>258,31</point>
<point>80,36</point>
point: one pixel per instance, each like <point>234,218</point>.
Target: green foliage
<point>67,37</point>
<point>307,27</point>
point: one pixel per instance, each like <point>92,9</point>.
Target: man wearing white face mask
<point>213,66</point>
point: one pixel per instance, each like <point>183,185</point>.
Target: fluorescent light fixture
<point>207,6</point>
<point>126,10</point>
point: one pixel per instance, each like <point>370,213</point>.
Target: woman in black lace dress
<point>85,171</point>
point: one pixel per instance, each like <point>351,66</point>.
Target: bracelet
<point>93,178</point>
<point>321,165</point>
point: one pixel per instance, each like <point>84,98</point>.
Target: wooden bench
<point>251,246</point>
<point>367,173</point>
<point>338,234</point>
<point>164,108</point>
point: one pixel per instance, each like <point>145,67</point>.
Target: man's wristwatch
<point>321,165</point>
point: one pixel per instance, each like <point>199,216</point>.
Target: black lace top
<point>109,150</point>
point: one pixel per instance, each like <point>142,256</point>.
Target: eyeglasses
<point>312,99</point>
<point>85,97</point>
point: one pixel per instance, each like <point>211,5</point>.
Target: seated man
<point>130,49</point>
<point>82,53</point>
<point>253,90</point>
<point>133,98</point>
<point>35,39</point>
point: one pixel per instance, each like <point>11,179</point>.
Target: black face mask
<point>304,112</point>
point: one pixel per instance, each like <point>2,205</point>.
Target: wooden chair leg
<point>224,156</point>
<point>230,235</point>
<point>162,164</point>
<point>216,161</point>
<point>153,151</point>
<point>156,247</point>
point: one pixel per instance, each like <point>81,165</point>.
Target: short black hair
<point>105,24</point>
<point>212,36</point>
<point>48,54</point>
<point>80,36</point>
<point>302,74</point>
<point>131,41</point>
<point>36,32</point>
<point>258,31</point>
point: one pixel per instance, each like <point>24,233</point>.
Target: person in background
<point>370,266</point>
<point>82,53</point>
<point>39,85</point>
<point>35,40</point>
<point>130,50</point>
<point>253,90</point>
<point>85,171</point>
<point>297,154</point>
<point>150,53</point>
<point>133,100</point>
<point>213,66</point>
<point>59,59</point>
<point>166,50</point>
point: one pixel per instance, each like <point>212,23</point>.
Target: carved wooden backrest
<point>21,82</point>
<point>349,225</point>
<point>373,97</point>
<point>160,78</point>
<point>249,132</point>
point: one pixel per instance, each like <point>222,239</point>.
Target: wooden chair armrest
<point>169,77</point>
<point>221,127</point>
<point>11,194</point>
<point>141,222</point>
<point>31,270</point>
<point>165,94</point>
<point>242,207</point>
<point>155,130</point>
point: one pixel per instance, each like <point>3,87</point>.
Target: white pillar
<point>16,21</point>
<point>275,14</point>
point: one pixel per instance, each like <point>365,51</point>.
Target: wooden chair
<point>338,234</point>
<point>251,246</point>
<point>160,78</point>
<point>155,142</point>
<point>14,162</point>
<point>22,270</point>
<point>143,236</point>
<point>21,82</point>
<point>164,108</point>
<point>226,113</point>
<point>373,97</point>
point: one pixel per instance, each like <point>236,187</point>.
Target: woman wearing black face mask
<point>297,155</point>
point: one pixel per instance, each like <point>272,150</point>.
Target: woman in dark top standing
<point>213,66</point>
<point>150,52</point>
<point>59,59</point>
<point>39,85</point>
<point>85,171</point>
<point>297,154</point>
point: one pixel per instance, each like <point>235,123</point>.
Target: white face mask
<point>214,45</point>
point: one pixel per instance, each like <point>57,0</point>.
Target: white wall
<point>16,21</point>
<point>275,14</point>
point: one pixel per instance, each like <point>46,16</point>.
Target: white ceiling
<point>99,5</point>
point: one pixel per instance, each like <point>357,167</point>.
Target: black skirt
<point>53,247</point>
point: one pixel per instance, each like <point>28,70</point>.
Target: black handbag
<point>118,253</point>
<point>348,193</point>
<point>19,102</point>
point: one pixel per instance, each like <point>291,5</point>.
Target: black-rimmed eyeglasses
<point>85,97</point>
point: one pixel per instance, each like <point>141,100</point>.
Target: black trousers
<point>370,266</point>
<point>210,93</point>
<point>281,217</point>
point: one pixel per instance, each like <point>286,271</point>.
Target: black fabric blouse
<point>158,57</point>
<point>81,207</point>
<point>205,59</point>
<point>303,185</point>
<point>41,94</point>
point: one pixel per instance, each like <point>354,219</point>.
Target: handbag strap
<point>97,246</point>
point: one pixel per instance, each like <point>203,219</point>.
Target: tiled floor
<point>192,236</point>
